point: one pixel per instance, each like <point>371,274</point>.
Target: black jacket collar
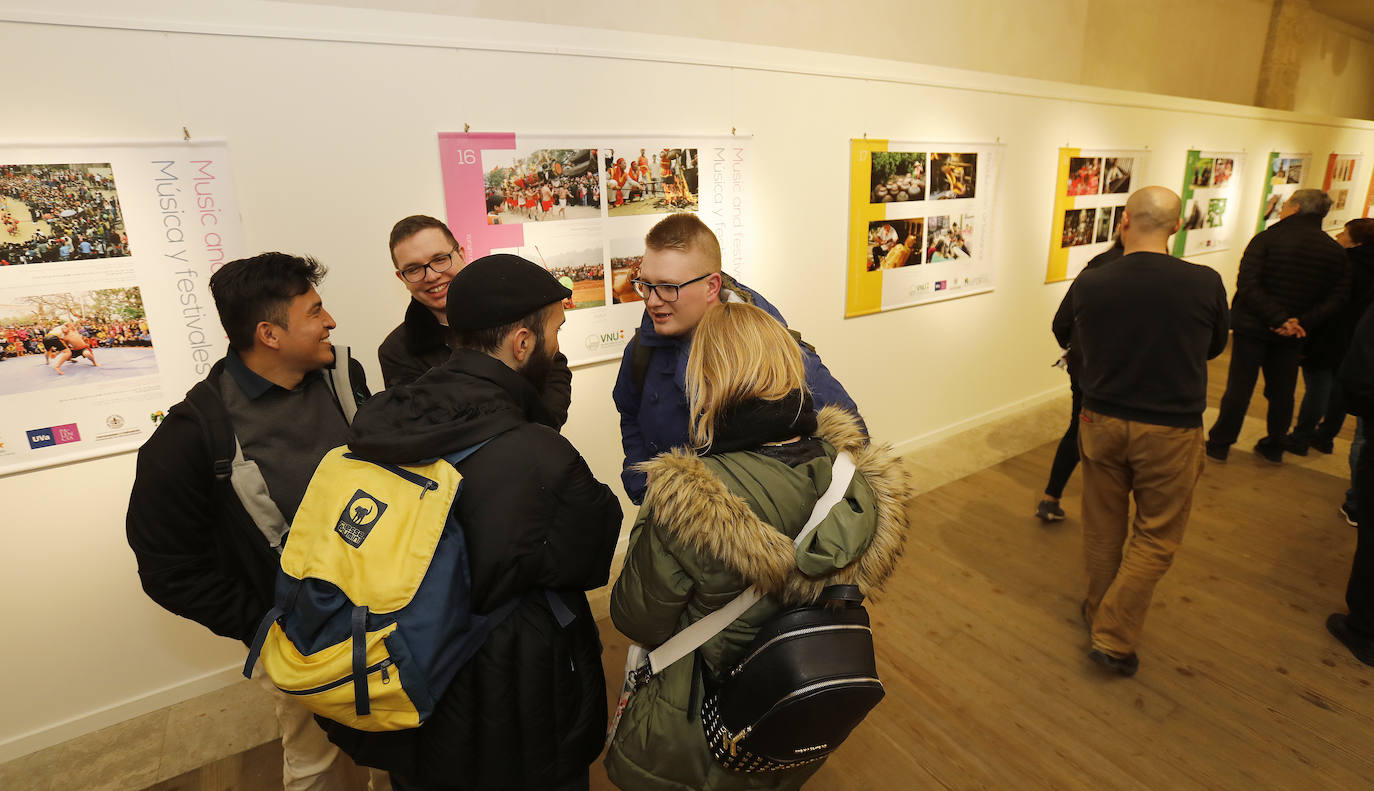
<point>423,332</point>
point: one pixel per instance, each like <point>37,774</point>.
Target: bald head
<point>1152,215</point>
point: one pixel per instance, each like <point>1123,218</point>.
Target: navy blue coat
<point>654,420</point>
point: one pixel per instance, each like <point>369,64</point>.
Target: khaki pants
<point>310,762</point>
<point>1160,465</point>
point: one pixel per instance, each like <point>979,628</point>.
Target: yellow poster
<point>1091,188</point>
<point>918,221</point>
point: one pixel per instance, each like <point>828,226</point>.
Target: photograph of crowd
<point>576,267</point>
<point>1286,171</point>
<point>1085,175</point>
<point>1221,172</point>
<point>895,243</point>
<point>97,335</point>
<point>650,182</point>
<point>541,185</point>
<point>1216,212</point>
<point>897,176</point>
<point>949,237</point>
<point>953,176</point>
<point>1202,176</point>
<point>58,213</point>
<point>1079,226</point>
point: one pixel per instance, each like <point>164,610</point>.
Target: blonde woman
<point>722,518</point>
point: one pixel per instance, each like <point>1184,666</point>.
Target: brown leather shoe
<point>1125,665</point>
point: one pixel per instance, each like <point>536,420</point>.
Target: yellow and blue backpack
<point>373,615</point>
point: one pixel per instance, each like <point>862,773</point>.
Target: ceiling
<point>1359,13</point>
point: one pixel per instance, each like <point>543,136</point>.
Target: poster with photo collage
<point>1211,202</point>
<point>106,319</point>
<point>918,223</point>
<point>1091,188</point>
<point>1282,177</point>
<point>1339,184</point>
<point>580,205</point>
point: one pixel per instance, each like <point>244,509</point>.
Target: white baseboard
<point>77,727</point>
<point>1007,410</point>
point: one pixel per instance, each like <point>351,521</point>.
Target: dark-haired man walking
<point>220,479</point>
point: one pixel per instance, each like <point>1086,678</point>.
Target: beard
<point>536,369</point>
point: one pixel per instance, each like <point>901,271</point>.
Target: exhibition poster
<point>1090,194</point>
<point>1339,183</point>
<point>105,310</point>
<point>580,205</point>
<point>1282,178</point>
<point>1211,202</point>
<point>1369,199</point>
<point>918,223</point>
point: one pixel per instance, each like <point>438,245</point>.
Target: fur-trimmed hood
<point>859,542</point>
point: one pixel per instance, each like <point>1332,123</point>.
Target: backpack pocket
<point>390,703</point>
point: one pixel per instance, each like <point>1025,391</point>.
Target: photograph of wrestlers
<point>69,338</point>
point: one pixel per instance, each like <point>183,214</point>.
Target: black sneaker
<point>1295,446</point>
<point>1361,647</point>
<point>1323,446</point>
<point>1124,665</point>
<point>1351,517</point>
<point>1049,511</point>
<point>1271,452</point>
<point>1217,453</point>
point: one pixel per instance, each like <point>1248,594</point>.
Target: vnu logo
<point>601,340</point>
<point>359,517</point>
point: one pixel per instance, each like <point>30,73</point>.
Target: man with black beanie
<point>529,709</point>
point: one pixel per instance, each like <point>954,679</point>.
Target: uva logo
<point>359,517</point>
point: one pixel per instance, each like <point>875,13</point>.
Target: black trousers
<point>1066,455</point>
<point>1359,592</point>
<point>400,783</point>
<point>1278,358</point>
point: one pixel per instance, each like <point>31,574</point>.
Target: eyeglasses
<point>666,291</point>
<point>440,263</point>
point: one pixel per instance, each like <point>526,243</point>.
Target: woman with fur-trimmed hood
<point>716,522</point>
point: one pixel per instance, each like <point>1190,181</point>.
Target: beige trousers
<point>1126,558</point>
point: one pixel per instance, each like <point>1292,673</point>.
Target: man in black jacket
<point>529,710</point>
<point>1147,325</point>
<point>219,481</point>
<point>426,258</point>
<point>1293,278</point>
<point>1356,629</point>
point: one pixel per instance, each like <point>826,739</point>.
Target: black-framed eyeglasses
<point>666,291</point>
<point>439,263</point>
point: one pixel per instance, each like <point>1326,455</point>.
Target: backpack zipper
<point>798,633</point>
<point>382,666</point>
<point>426,485</point>
<point>731,742</point>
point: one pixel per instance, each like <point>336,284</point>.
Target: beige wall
<point>331,118</point>
<point>1202,49</point>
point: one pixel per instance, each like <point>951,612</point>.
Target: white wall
<point>333,140</point>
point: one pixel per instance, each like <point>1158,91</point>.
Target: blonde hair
<point>739,353</point>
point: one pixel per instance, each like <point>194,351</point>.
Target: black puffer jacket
<point>1293,269</point>
<point>1326,347</point>
<point>529,710</point>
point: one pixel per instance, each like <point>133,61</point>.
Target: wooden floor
<point>985,659</point>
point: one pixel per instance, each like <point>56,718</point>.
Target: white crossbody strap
<point>694,636</point>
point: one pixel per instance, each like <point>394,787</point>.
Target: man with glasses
<point>426,257</point>
<point>679,279</point>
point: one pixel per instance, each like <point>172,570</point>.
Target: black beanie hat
<point>496,290</point>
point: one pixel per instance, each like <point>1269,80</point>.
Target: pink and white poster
<point>580,205</point>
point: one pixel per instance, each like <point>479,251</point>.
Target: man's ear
<point>713,286</point>
<point>268,335</point>
<point>521,344</point>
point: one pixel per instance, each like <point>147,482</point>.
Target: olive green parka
<point>710,527</point>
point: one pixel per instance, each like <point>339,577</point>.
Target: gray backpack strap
<point>341,382</point>
<point>251,488</point>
